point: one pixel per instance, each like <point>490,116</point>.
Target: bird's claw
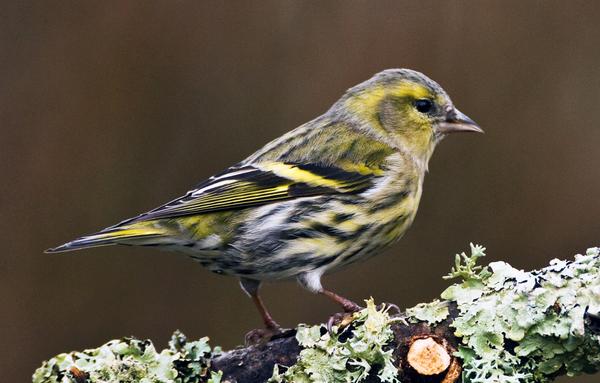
<point>351,307</point>
<point>261,335</point>
<point>340,320</point>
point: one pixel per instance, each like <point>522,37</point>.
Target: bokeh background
<point>111,108</point>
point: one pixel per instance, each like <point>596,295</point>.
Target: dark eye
<point>424,105</point>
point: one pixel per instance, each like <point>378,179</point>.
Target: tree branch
<point>497,324</point>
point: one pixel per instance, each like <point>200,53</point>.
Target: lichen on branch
<point>130,360</point>
<point>496,324</point>
<point>346,354</point>
<point>518,326</point>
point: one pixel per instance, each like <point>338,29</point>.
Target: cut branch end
<point>428,357</point>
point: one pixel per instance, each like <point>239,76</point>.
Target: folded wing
<point>254,185</point>
<point>237,188</point>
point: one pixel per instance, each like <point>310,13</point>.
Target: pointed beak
<point>456,121</point>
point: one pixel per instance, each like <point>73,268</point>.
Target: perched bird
<point>338,189</point>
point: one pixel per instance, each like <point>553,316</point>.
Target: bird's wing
<point>258,184</point>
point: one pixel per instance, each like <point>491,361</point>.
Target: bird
<point>335,190</point>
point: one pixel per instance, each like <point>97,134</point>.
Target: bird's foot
<point>350,307</point>
<point>261,336</point>
<point>340,320</point>
<point>343,319</point>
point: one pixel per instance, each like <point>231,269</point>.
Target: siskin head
<point>408,109</point>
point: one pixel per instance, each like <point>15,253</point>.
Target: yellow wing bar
<point>253,185</point>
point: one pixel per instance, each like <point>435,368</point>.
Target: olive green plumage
<point>333,191</point>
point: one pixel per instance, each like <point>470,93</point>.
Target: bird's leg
<point>312,281</point>
<point>340,319</point>
<point>267,318</point>
<point>347,304</point>
<point>251,286</point>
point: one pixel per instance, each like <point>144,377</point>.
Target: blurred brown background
<point>108,109</point>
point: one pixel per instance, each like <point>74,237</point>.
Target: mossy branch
<point>497,324</point>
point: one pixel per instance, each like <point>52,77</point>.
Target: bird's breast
<point>392,203</point>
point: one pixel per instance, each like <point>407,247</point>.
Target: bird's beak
<point>456,121</point>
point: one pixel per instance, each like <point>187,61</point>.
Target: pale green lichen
<point>133,360</point>
<point>518,326</point>
<point>350,354</point>
<point>431,313</point>
<point>466,267</point>
<point>472,274</point>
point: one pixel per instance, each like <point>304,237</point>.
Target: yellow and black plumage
<point>333,191</point>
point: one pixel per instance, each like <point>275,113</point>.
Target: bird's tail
<point>139,233</point>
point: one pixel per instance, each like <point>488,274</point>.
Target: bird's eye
<point>424,105</point>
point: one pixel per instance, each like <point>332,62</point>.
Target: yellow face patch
<point>411,90</point>
<point>367,102</point>
<point>402,123</point>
